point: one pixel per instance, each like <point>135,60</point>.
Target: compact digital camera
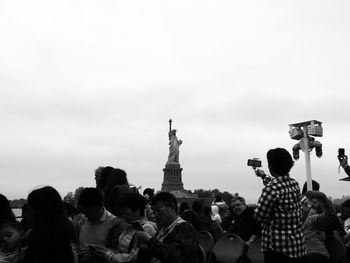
<point>254,162</point>
<point>341,154</point>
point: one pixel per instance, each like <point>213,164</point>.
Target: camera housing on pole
<point>303,132</point>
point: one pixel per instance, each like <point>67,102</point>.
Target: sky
<point>93,83</point>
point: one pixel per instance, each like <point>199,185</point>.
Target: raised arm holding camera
<point>343,160</point>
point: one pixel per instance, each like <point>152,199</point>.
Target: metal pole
<point>307,159</point>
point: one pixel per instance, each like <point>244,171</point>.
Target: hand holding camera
<point>343,159</point>
<point>255,163</point>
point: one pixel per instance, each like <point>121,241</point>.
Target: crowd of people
<point>114,222</point>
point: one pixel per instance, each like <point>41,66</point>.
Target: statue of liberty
<point>174,145</point>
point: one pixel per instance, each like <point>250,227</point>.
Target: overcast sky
<point>90,83</point>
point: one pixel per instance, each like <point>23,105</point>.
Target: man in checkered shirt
<point>279,211</point>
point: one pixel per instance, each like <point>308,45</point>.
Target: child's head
<point>11,236</point>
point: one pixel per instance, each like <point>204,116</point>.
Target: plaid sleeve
<point>265,204</point>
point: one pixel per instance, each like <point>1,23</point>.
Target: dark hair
<point>6,213</point>
<point>166,198</point>
<point>90,197</point>
<point>52,232</point>
<point>315,187</point>
<point>322,198</point>
<point>280,161</point>
<point>218,198</point>
<point>114,178</point>
<point>197,206</point>
<point>112,205</point>
<point>239,198</point>
<point>100,184</point>
<point>134,201</point>
<point>150,193</point>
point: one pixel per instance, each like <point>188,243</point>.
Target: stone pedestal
<point>172,178</point>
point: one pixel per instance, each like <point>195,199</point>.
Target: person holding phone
<point>132,206</point>
<point>343,160</point>
<point>278,211</point>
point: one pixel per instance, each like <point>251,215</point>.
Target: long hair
<point>51,229</point>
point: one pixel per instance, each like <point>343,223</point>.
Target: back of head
<point>90,197</point>
<point>149,192</point>
<point>47,207</point>
<point>52,231</point>
<point>133,201</point>
<point>102,180</point>
<point>114,178</point>
<point>167,199</point>
<point>112,203</point>
<point>197,206</point>
<point>280,161</point>
<point>315,187</point>
<point>218,198</point>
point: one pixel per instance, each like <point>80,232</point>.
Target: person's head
<point>164,205</point>
<point>90,203</point>
<point>197,207</point>
<point>6,213</point>
<point>114,178</point>
<point>11,236</point>
<point>315,187</point>
<point>45,209</point>
<point>101,176</point>
<point>279,161</point>
<point>148,193</point>
<point>218,198</point>
<point>112,205</point>
<point>238,205</point>
<point>320,202</point>
<point>132,206</point>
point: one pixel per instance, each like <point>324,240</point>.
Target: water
<point>17,212</point>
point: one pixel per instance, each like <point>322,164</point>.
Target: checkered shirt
<point>279,213</point>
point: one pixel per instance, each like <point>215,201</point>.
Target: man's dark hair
<point>280,160</point>
<point>166,198</point>
<point>315,187</point>
<point>90,197</point>
<point>150,193</point>
<point>133,201</point>
<point>218,198</point>
<point>239,198</point>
